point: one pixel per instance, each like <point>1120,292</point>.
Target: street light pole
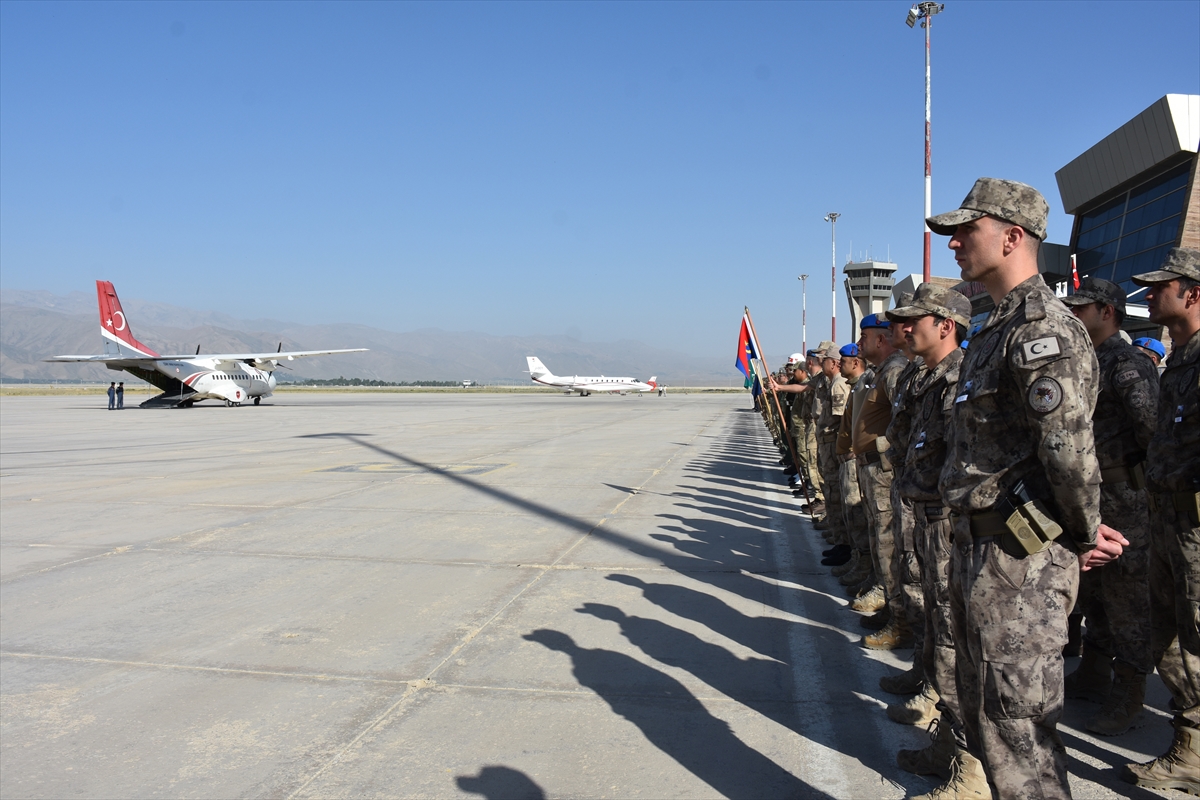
<point>804,315</point>
<point>925,12</point>
<point>832,217</point>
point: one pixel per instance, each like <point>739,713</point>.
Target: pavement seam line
<point>411,690</point>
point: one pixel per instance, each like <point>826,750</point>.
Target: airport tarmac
<point>352,595</point>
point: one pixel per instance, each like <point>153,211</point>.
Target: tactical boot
<point>908,682</point>
<point>919,710</point>
<point>1092,679</point>
<point>896,636</point>
<point>820,524</point>
<point>1123,704</point>
<point>849,566</point>
<point>1178,769</point>
<point>934,759</point>
<point>967,781</point>
<point>870,602</point>
<point>836,550</point>
<point>862,587</point>
<point>862,570</point>
<point>838,556</point>
<point>816,508</point>
<point>877,621</point>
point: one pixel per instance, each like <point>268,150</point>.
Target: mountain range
<point>35,325</point>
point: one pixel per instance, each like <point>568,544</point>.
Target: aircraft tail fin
<point>536,368</point>
<point>113,325</point>
<point>653,381</point>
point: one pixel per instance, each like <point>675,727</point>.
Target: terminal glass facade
<point>1132,232</point>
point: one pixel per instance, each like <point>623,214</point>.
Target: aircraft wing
<point>228,357</point>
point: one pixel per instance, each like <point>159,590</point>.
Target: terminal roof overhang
<point>1167,128</point>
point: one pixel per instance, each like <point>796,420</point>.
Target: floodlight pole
<point>925,12</point>
<point>832,217</point>
<point>804,315</point>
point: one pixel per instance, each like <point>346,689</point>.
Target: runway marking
<point>471,636</point>
<point>407,469</point>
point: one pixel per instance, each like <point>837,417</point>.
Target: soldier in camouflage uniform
<point>834,395</point>
<point>809,415</point>
<point>903,521</point>
<point>862,577</point>
<point>875,475</point>
<point>935,323</point>
<point>1020,454</point>
<point>1173,480</point>
<point>1115,599</point>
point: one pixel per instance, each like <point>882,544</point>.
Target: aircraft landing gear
<point>257,400</point>
<point>231,404</point>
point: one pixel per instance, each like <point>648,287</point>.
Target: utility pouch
<point>1028,520</point>
<point>1137,476</point>
<point>1033,527</point>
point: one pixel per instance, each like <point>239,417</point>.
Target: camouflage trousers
<point>876,485</point>
<point>932,538</point>
<point>832,486</point>
<point>1174,578</point>
<point>810,446</point>
<point>806,469</point>
<point>909,572</point>
<point>1009,622</point>
<point>1115,598</point>
<point>853,509</point>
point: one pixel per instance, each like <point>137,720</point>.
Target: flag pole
<point>783,424</point>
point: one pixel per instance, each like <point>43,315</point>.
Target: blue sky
<point>608,170</point>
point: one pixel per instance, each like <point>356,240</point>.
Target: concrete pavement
<point>432,596</point>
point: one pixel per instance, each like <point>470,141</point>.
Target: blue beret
<point>850,350</point>
<point>1154,345</point>
<point>873,321</point>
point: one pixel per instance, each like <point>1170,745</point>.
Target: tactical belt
<point>826,438</point>
<point>990,525</point>
<point>933,512</point>
<point>1135,476</point>
<point>1187,503</point>
<point>869,457</point>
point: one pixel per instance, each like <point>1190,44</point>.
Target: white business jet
<point>586,385</point>
<point>186,379</point>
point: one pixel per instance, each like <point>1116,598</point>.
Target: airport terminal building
<point>1134,196</point>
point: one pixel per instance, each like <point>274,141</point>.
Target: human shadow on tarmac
<point>676,722</point>
<point>501,783</point>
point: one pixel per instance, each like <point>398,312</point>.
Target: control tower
<point>868,288</point>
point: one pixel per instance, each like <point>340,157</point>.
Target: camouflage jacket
<point>1023,411</point>
<point>833,399</point>
<point>1173,457</point>
<point>931,399</point>
<point>1127,406</point>
<point>902,409</point>
<point>860,387</point>
<point>818,386</point>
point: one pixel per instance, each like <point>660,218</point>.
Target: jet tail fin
<point>113,325</point>
<point>653,381</point>
<point>536,368</point>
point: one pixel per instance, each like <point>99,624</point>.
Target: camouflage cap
<point>831,352</point>
<point>1010,201</point>
<point>1182,262</point>
<point>933,299</point>
<point>1097,290</point>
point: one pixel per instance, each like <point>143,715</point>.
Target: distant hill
<point>37,325</point>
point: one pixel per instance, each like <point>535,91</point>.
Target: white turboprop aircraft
<point>585,385</point>
<point>186,379</point>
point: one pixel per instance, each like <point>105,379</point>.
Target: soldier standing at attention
<point>1022,484</point>
<point>903,521</point>
<point>935,323</point>
<point>809,412</point>
<point>112,395</point>
<point>1115,600</point>
<point>862,578</point>
<point>1173,480</point>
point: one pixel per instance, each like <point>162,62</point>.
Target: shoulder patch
<point>1127,378</point>
<point>1038,349</point>
<point>1045,395</point>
